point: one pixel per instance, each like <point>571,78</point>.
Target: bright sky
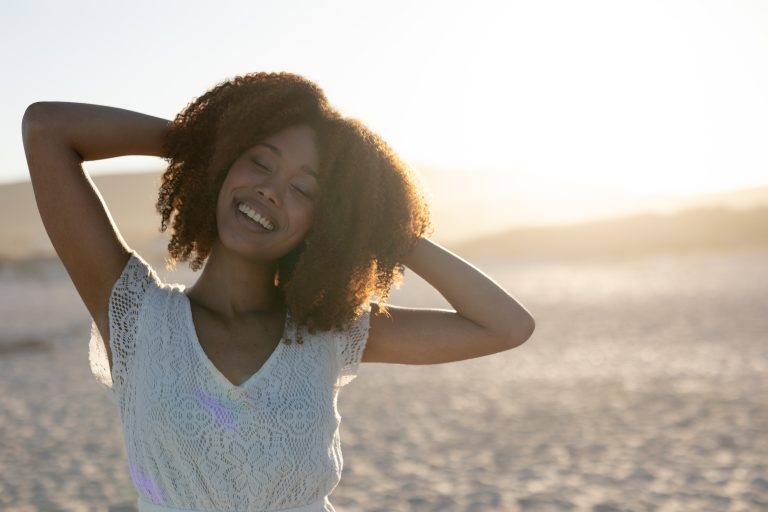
<point>584,99</point>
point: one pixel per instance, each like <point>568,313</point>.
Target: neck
<point>235,288</point>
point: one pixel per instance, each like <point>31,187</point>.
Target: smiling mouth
<point>254,219</point>
<point>252,223</point>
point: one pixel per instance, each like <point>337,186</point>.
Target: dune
<point>728,220</point>
<point>744,198</point>
<point>697,229</point>
<point>130,199</point>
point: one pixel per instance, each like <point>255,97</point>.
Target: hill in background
<point>463,221</point>
<point>692,230</point>
<point>130,199</point>
<point>740,199</point>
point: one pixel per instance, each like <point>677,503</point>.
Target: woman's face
<point>277,180</point>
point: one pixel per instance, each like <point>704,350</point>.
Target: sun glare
<point>648,99</point>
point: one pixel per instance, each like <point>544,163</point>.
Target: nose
<point>267,189</point>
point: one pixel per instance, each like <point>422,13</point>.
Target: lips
<point>258,208</point>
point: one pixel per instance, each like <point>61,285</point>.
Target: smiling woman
<point>317,176</point>
<point>301,217</point>
<point>266,192</point>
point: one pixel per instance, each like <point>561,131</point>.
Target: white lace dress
<point>197,442</point>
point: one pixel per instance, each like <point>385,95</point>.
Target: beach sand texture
<point>643,389</point>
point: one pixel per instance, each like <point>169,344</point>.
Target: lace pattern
<point>125,301</point>
<point>201,443</point>
<point>351,346</point>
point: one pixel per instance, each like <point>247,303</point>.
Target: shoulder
<point>352,336</point>
<point>139,268</point>
<point>142,276</point>
<point>138,286</point>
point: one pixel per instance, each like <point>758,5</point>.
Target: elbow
<point>521,331</point>
<point>33,113</point>
<point>32,121</point>
<point>40,128</point>
<point>40,117</point>
<point>530,326</point>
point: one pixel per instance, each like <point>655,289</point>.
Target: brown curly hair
<point>369,214</point>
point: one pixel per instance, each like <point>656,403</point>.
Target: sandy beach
<point>642,389</point>
<point>604,162</point>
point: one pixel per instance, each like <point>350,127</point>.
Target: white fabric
<point>194,441</point>
<point>323,505</point>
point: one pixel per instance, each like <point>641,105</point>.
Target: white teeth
<point>255,216</point>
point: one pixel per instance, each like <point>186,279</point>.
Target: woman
<point>301,217</point>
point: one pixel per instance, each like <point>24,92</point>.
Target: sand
<point>643,388</point>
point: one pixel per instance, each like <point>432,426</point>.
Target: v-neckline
<point>198,348</point>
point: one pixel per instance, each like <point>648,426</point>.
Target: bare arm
<point>58,137</point>
<point>93,132</point>
<point>487,318</point>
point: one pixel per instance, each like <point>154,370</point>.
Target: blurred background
<point>604,161</point>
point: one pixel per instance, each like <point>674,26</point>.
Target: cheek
<point>310,215</point>
<point>235,177</point>
<point>302,220</point>
<point>222,203</point>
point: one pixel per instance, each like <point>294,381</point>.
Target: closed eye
<point>302,192</point>
<point>270,170</point>
<point>261,165</point>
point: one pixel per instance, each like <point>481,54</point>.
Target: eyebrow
<point>279,153</point>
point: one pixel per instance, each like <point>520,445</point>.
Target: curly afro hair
<point>369,214</point>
